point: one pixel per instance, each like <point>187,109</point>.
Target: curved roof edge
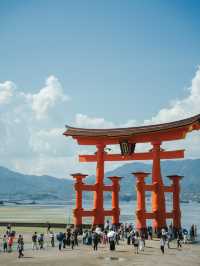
<point>116,132</point>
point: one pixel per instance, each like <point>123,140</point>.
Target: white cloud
<point>181,108</point>
<point>130,123</point>
<point>47,97</point>
<point>178,109</point>
<point>6,92</point>
<point>85,121</point>
<point>51,142</point>
<point>32,126</point>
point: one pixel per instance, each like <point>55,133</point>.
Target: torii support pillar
<point>176,200</point>
<point>158,197</point>
<point>98,194</point>
<point>79,208</point>
<point>115,199</point>
<point>141,208</point>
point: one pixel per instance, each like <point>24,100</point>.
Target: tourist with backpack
<point>41,241</point>
<point>34,241</point>
<point>95,239</point>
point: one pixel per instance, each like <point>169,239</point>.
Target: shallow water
<point>62,213</point>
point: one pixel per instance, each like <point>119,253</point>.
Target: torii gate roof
<point>158,132</point>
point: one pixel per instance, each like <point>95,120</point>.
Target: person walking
<point>105,238</point>
<point>68,237</point>
<point>162,245</point>
<point>60,240</point>
<point>84,237</point>
<point>8,231</point>
<point>150,232</point>
<point>10,243</point>
<point>76,232</point>
<point>5,244</point>
<point>52,239</point>
<point>192,233</point>
<point>178,241</point>
<point>112,243</point>
<point>64,240</point>
<point>34,241</point>
<point>195,231</point>
<point>128,235</point>
<point>95,239</point>
<point>41,241</point>
<point>20,246</point>
<point>141,243</point>
<point>72,240</point>
<point>136,243</point>
<point>111,239</point>
<point>168,236</point>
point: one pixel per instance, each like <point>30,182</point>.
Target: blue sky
<point>133,56</point>
<point>117,61</point>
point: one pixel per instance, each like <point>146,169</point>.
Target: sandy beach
<point>188,255</point>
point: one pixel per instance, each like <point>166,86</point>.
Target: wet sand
<point>188,255</point>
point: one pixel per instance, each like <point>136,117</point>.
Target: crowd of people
<point>182,236</point>
<point>8,241</point>
<point>108,236</point>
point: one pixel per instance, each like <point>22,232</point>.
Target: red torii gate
<point>154,134</point>
<point>79,212</point>
<point>162,215</point>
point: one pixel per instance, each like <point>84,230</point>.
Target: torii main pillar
<point>98,194</point>
<point>158,197</point>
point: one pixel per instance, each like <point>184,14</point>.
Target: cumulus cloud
<point>29,128</point>
<point>47,164</point>
<point>181,108</point>
<point>6,92</point>
<point>82,120</point>
<point>85,121</point>
<point>177,109</point>
<point>47,97</point>
<point>31,131</point>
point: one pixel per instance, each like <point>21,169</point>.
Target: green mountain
<point>16,186</point>
<point>190,169</point>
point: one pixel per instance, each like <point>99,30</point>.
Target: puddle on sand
<point>111,258</point>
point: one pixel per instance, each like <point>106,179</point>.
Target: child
<point>10,243</point>
<point>5,244</point>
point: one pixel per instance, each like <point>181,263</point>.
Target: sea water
<point>61,212</point>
